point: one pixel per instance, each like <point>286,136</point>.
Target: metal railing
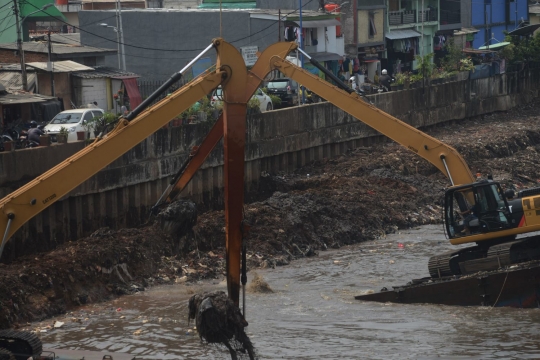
<point>401,17</point>
<point>428,15</point>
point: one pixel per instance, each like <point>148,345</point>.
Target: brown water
<point>313,314</point>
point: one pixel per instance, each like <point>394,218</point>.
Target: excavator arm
<point>24,203</point>
<point>443,156</point>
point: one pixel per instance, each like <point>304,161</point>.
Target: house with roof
<point>18,107</point>
<point>76,85</point>
<point>109,87</point>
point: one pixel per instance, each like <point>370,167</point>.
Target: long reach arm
<point>443,156</point>
<point>23,204</point>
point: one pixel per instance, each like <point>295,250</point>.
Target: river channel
<point>312,314</point>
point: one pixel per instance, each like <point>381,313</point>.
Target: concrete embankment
<point>121,194</point>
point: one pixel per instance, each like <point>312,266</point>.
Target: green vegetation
<point>103,124</point>
<point>425,65</point>
<point>521,49</point>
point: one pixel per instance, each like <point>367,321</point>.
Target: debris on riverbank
<point>361,195</point>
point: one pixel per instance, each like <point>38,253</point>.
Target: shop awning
<point>315,23</point>
<point>465,31</point>
<point>30,8</point>
<point>326,56</point>
<point>26,98</point>
<point>133,92</point>
<point>496,46</point>
<point>402,34</point>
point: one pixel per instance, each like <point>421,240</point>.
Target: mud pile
<point>361,195</point>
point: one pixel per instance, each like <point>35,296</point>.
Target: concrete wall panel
<point>122,194</point>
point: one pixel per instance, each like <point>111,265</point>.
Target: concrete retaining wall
<point>283,140</point>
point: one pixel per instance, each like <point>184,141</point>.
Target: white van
<point>73,120</point>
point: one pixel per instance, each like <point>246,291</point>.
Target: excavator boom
<point>21,205</point>
<point>443,156</point>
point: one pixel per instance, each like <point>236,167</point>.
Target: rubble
<point>361,195</point>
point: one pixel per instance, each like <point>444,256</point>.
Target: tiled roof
<point>103,71</point>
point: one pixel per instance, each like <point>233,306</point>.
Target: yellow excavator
<point>497,220</point>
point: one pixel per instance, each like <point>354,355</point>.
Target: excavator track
<point>6,355</point>
<point>22,344</point>
<point>474,259</point>
<point>448,264</point>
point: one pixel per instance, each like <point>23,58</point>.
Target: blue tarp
<point>481,71</point>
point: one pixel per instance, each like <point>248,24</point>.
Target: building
<point>534,15</point>
<point>492,18</point>
<point>181,36</point>
<point>39,51</point>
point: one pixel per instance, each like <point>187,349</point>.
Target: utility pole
<point>19,46</point>
<point>121,30</point>
<point>118,35</point>
<point>50,66</point>
<point>423,12</point>
<point>301,47</point>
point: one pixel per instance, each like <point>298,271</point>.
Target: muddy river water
<point>312,314</point>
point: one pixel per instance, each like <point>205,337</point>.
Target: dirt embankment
<point>364,194</point>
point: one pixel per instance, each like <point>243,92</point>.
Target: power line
<point>165,50</point>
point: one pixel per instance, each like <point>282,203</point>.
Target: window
<point>372,28</point>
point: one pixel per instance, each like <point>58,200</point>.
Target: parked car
<point>265,103</point>
<point>74,121</point>
<point>286,89</point>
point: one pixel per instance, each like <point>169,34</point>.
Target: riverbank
<point>361,195</point>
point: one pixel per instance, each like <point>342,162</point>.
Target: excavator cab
<point>476,208</point>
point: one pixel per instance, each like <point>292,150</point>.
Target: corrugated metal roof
<point>402,34</point>
<point>12,81</point>
<point>105,72</point>
<point>57,49</point>
<point>10,67</point>
<point>60,66</point>
<point>465,31</point>
<point>10,99</point>
<point>68,39</point>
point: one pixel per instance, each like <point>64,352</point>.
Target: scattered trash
<point>58,324</point>
<point>337,262</point>
<point>391,261</point>
<point>400,245</point>
<point>119,309</point>
<point>180,280</point>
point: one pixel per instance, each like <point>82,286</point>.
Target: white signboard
<point>249,53</point>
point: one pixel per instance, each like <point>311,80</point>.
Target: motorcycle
<point>25,142</point>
